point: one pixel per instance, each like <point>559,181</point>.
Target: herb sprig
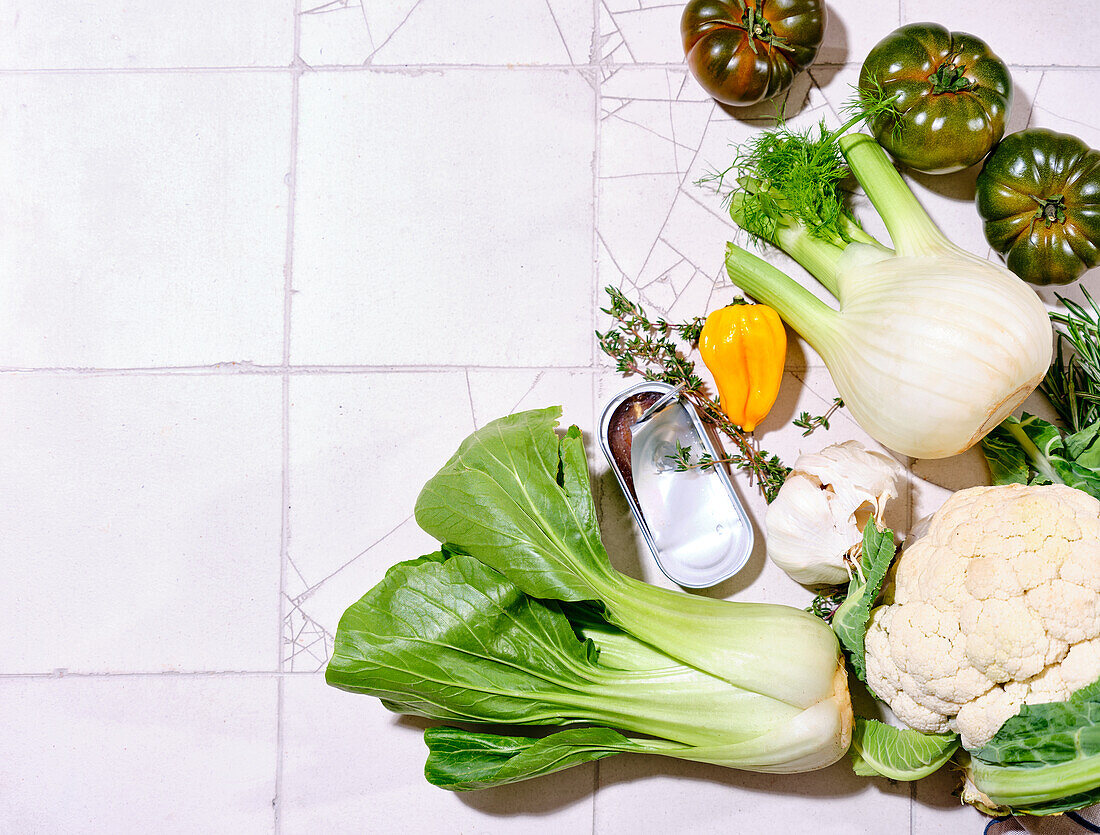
<point>1073,382</point>
<point>654,349</point>
<point>811,422</point>
<point>787,176</point>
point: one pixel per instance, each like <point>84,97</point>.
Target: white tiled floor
<point>262,266</point>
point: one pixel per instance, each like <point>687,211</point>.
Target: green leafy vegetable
<point>466,760</point>
<point>515,501</point>
<point>898,753</point>
<point>520,619</point>
<point>1045,759</point>
<point>1029,450</point>
<point>850,619</point>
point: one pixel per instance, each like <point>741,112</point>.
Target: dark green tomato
<point>1039,195</point>
<point>953,95</point>
<point>746,51</point>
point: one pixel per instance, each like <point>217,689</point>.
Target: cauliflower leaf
<point>882,750</point>
<point>850,620</point>
<point>1045,760</point>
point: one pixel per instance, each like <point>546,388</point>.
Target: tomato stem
<point>949,78</point>
<point>759,28</point>
<point>1050,209</point>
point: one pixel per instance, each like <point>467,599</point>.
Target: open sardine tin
<point>692,520</point>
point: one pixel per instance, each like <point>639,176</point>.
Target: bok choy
<point>930,347</point>
<point>520,619</point>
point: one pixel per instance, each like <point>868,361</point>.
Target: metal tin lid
<point>692,520</point>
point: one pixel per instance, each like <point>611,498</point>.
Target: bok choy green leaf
<point>520,619</point>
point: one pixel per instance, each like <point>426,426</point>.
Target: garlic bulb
<point>823,506</point>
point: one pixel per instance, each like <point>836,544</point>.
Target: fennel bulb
<point>520,619</point>
<point>931,347</point>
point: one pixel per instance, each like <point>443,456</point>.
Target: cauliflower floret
<point>996,606</point>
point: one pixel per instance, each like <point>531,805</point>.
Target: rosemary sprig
<point>1073,382</point>
<point>654,349</point>
<point>811,422</point>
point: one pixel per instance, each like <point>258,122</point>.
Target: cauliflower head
<point>995,607</point>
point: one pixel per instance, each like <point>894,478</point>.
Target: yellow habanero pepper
<point>745,348</point>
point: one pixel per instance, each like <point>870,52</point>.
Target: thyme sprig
<point>811,422</point>
<point>655,350</point>
<point>682,460</point>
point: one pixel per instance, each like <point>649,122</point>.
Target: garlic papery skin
<point>823,506</point>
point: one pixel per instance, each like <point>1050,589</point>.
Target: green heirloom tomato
<point>952,94</point>
<point>1039,195</point>
<point>745,51</point>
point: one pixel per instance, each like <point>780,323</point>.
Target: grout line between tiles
<point>223,369</point>
<point>288,292</point>
<point>420,69</point>
<point>597,86</point>
<point>64,673</point>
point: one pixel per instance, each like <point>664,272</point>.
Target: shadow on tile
<point>535,797</point>
<point>836,781</point>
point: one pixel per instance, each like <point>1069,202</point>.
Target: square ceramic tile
<point>149,218</point>
<point>361,448</point>
<point>1066,102</point>
<point>1059,35</point>
<point>138,754</point>
<point>426,32</point>
<point>334,778</point>
<point>112,33</point>
<point>467,242</point>
<point>352,491</point>
<point>141,519</point>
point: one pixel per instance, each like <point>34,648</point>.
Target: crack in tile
<point>1064,118</point>
<point>470,396</point>
<point>1034,98</point>
<point>326,8</point>
<point>526,394</point>
<point>610,254</point>
<point>618,31</point>
<point>302,596</point>
<point>647,129</point>
<point>623,103</point>
<point>672,124</point>
<point>404,20</point>
<point>561,35</point>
